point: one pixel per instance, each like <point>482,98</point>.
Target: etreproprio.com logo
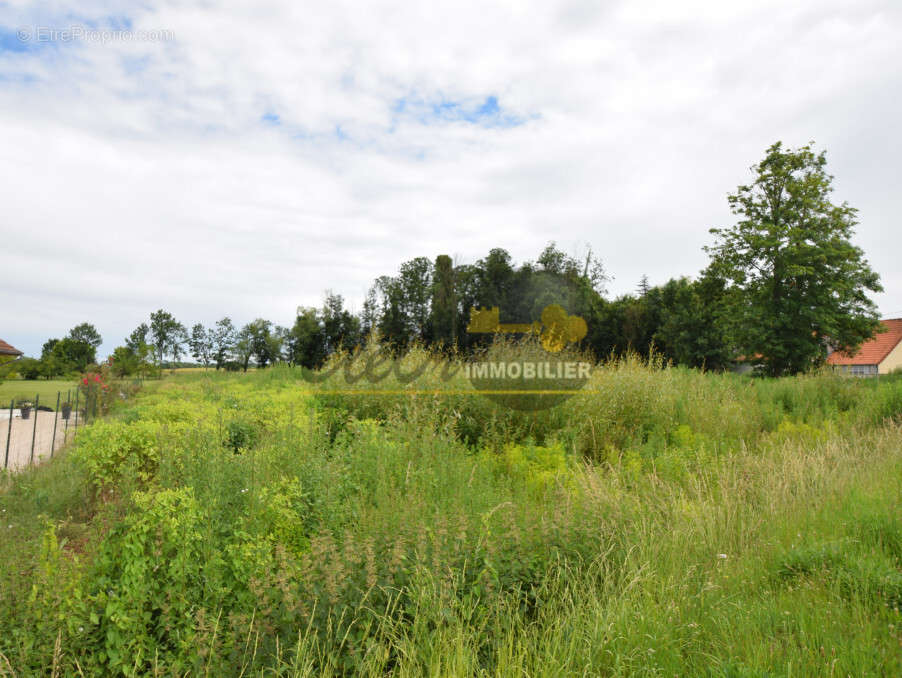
<point>537,375</point>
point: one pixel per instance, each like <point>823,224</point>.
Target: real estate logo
<point>542,374</point>
<point>535,374</point>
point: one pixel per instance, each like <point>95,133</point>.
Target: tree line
<point>783,286</point>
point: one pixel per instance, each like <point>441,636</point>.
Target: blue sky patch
<point>132,65</point>
<point>42,32</point>
<point>11,40</point>
<point>486,112</point>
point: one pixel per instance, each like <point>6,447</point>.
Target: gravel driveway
<point>21,435</point>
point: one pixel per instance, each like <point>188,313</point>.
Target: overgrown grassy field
<point>662,522</point>
<point>29,388</point>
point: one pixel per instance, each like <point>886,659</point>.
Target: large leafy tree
<point>394,324</point>
<point>264,346</point>
<point>341,328</point>
<point>306,342</point>
<point>201,344</point>
<point>444,302</point>
<point>168,334</point>
<point>244,346</point>
<point>86,333</point>
<point>222,338</point>
<point>692,328</point>
<point>138,337</point>
<point>128,360</point>
<point>802,284</point>
<point>369,315</point>
<point>415,284</point>
<point>494,278</point>
<point>136,355</point>
<point>70,354</point>
<point>74,352</point>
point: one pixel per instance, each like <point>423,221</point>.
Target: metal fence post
<point>56,416</point>
<point>9,432</point>
<point>34,429</point>
<point>77,392</point>
<point>66,429</point>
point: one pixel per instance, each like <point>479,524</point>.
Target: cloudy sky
<point>241,157</point>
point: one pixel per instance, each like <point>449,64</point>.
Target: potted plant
<point>25,408</point>
<point>66,409</point>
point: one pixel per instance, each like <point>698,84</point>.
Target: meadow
<point>663,521</point>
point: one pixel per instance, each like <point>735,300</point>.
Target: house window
<point>864,370</point>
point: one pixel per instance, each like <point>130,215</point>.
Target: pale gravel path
<point>22,430</point>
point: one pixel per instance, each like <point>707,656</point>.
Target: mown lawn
<point>663,522</point>
<point>43,388</point>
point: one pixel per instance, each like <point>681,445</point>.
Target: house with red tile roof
<point>880,355</point>
<point>8,352</point>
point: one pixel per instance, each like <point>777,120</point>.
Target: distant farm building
<point>880,355</point>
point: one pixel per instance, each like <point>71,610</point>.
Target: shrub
<point>240,435</point>
<point>145,587</point>
<point>112,451</point>
<point>286,514</point>
<point>538,467</point>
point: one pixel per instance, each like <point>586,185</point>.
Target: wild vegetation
<point>663,521</point>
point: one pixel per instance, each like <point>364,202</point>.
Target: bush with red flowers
<point>96,389</point>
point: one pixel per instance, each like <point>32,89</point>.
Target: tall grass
<point>663,521</point>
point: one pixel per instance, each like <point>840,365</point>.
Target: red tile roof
<point>6,349</point>
<point>874,351</point>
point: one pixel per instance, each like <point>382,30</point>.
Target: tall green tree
<point>222,338</point>
<point>278,343</point>
<point>201,344</point>
<point>369,315</point>
<point>168,334</point>
<point>137,355</point>
<point>87,333</point>
<point>50,365</point>
<point>306,343</point>
<point>263,346</point>
<point>70,354</point>
<point>394,324</point>
<point>243,348</point>
<point>444,302</point>
<point>694,322</point>
<point>802,283</point>
<point>47,348</point>
<point>74,352</point>
<point>341,329</point>
<point>128,361</point>
<point>494,277</point>
<point>415,281</point>
<point>138,337</point>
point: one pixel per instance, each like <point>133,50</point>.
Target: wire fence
<point>33,431</point>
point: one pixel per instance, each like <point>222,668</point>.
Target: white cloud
<point>135,175</point>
